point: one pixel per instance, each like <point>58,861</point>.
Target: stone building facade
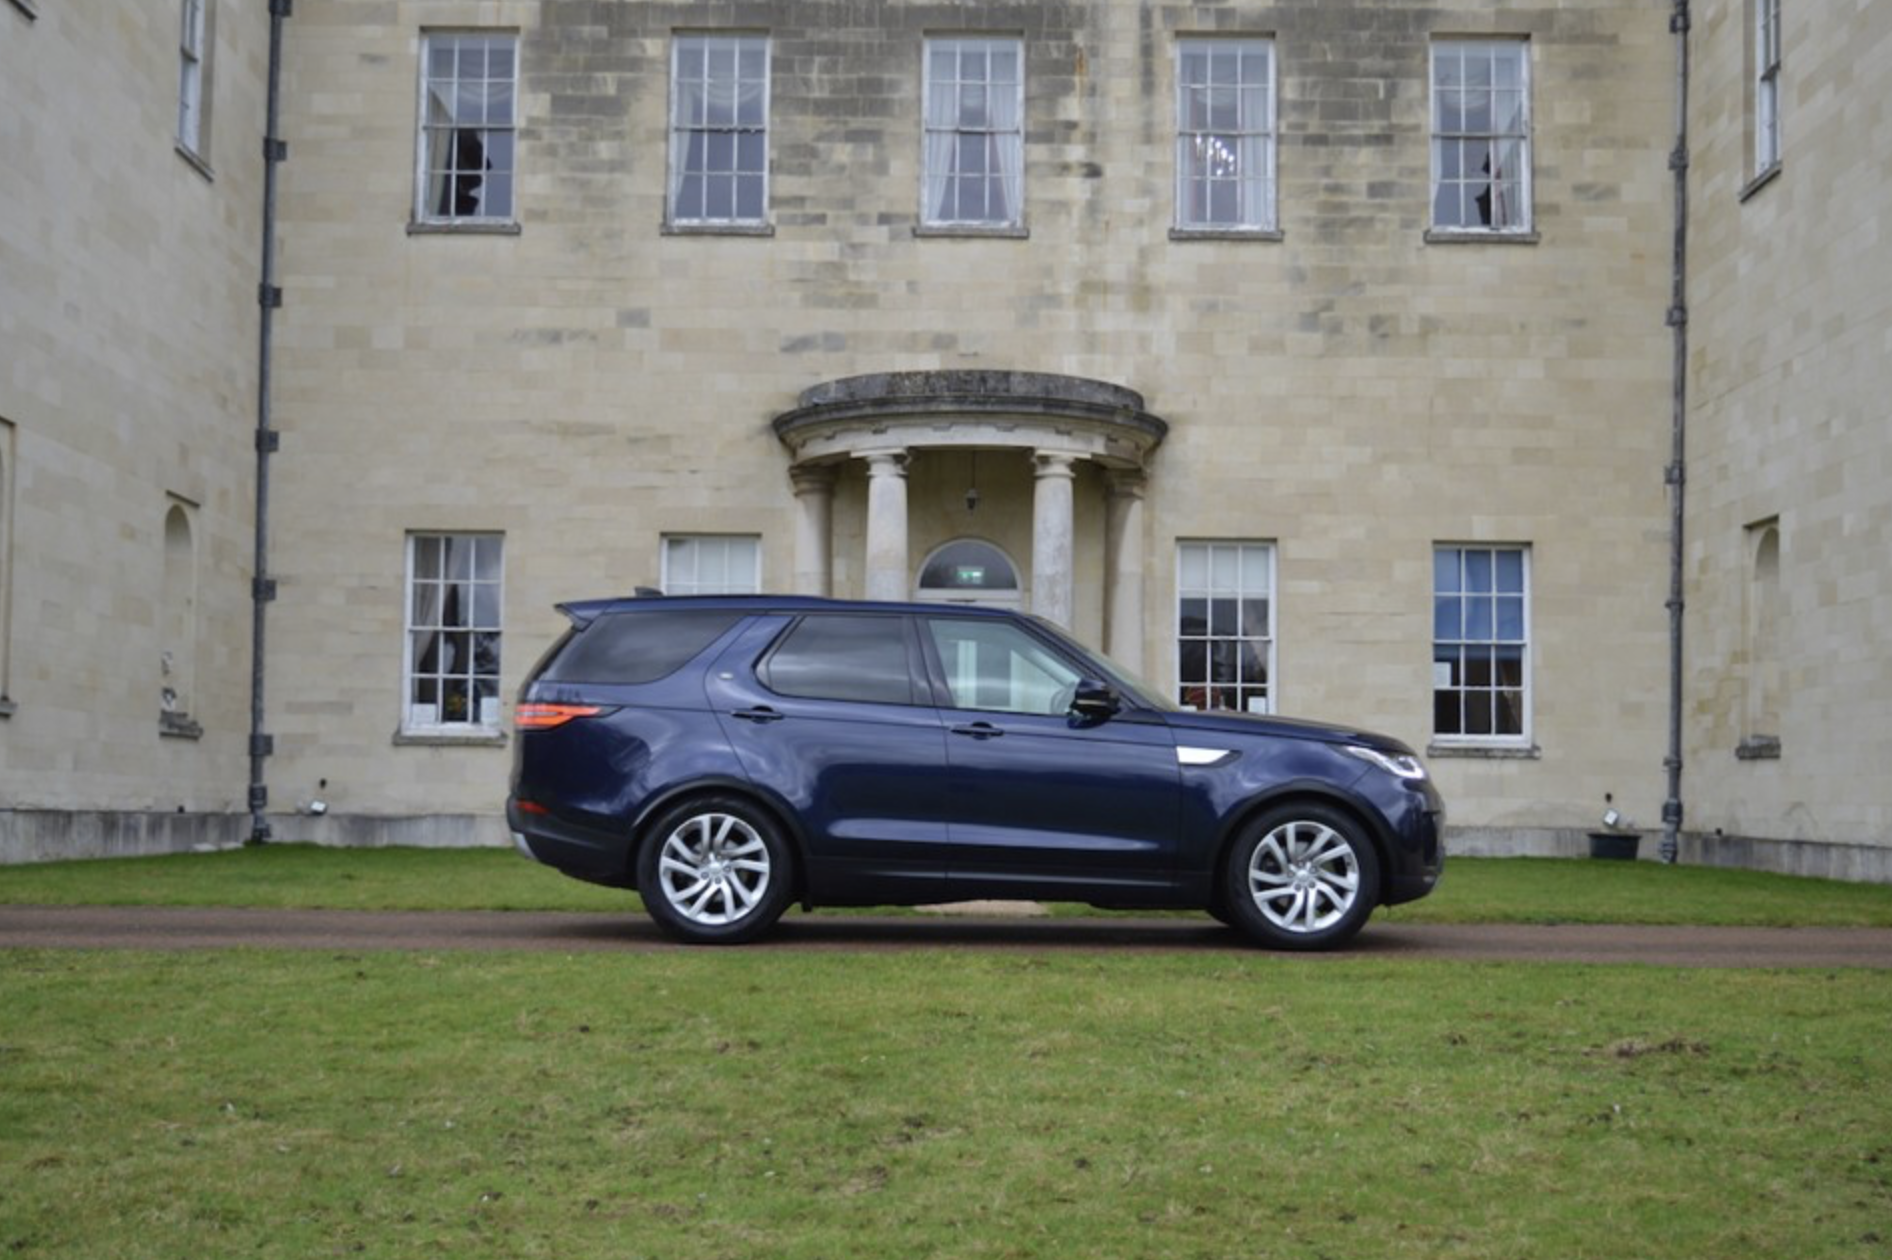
<point>1311,357</point>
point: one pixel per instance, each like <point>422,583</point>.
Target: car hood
<point>1225,722</point>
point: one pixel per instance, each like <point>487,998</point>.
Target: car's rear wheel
<point>715,871</point>
<point>1302,876</point>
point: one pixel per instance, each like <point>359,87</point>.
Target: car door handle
<point>762,714</point>
<point>979,730</point>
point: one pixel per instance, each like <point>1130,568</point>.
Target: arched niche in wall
<point>177,625</point>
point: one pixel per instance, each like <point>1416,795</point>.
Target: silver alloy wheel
<point>714,868</point>
<point>1304,876</point>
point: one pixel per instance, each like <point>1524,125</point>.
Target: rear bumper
<point>595,855</point>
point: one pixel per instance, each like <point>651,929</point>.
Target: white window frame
<point>1233,571</point>
<point>428,622</point>
<point>712,564</point>
<point>1766,86</point>
<point>727,110</point>
<point>1485,631</point>
<point>193,86</point>
<point>1481,68</point>
<point>951,127</point>
<point>484,107</point>
<point>1226,128</point>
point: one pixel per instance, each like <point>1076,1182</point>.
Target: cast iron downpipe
<point>268,298</point>
<point>1676,476</point>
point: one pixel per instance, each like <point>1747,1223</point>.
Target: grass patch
<point>1554,890</point>
<point>302,876</point>
<point>1475,890</point>
<point>744,1104</point>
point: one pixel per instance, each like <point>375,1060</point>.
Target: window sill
<point>1759,182</point>
<point>26,7</point>
<point>1758,748</point>
<point>7,707</point>
<point>179,726</point>
<point>465,227</point>
<point>1226,234</point>
<point>196,161</point>
<point>1451,236</point>
<point>932,231</point>
<point>445,737</point>
<point>719,229</point>
<point>1484,752</point>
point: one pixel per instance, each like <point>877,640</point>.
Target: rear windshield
<point>637,647</point>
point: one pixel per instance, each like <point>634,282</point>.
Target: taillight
<point>543,717</point>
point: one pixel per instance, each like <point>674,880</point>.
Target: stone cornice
<point>1076,416</point>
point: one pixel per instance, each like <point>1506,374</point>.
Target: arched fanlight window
<point>968,567</point>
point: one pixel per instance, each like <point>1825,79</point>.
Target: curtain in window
<point>719,129</point>
<point>1225,124</point>
<point>974,158</point>
<point>1009,140</point>
<point>1481,136</point>
<point>715,119</point>
<point>467,129</point>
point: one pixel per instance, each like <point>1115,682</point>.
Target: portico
<point>1059,424</point>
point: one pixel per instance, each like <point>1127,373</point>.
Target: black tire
<point>1302,876</point>
<point>715,870</point>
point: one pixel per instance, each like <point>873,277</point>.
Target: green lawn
<point>757,1103</point>
<point>1475,890</point>
<point>748,1103</point>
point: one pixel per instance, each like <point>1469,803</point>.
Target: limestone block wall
<point>1790,428</point>
<point>1351,391</point>
<point>128,316</point>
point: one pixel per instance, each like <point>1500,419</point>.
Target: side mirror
<point>1095,701</point>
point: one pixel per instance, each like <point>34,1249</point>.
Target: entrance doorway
<point>969,571</point>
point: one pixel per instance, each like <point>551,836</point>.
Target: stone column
<point>814,528</point>
<point>1123,561</point>
<point>1051,536</point>
<point>887,525</point>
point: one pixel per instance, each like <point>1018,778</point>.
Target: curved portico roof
<point>1041,411</point>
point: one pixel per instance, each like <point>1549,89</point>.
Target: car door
<point>1044,801</point>
<point>825,714</point>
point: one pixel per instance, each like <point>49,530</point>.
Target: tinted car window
<point>843,658</point>
<point>638,647</point>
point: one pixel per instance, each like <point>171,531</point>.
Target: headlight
<point>1404,765</point>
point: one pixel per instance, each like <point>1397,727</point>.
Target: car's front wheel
<point>715,871</point>
<point>1302,876</point>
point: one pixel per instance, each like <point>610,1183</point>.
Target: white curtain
<point>718,103</point>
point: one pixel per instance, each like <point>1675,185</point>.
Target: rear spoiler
<point>582,613</point>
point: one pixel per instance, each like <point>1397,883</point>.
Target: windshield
<point>1119,676</point>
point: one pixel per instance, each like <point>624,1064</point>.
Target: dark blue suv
<point>729,755</point>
